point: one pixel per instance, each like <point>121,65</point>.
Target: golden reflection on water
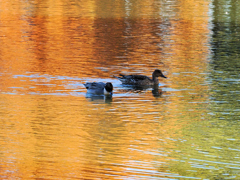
<point>59,136</point>
<point>51,130</point>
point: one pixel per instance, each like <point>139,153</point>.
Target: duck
<point>141,80</point>
<point>99,88</point>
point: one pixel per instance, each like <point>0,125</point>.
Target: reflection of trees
<point>131,35</point>
<point>127,43</point>
<point>225,60</point>
<point>225,38</point>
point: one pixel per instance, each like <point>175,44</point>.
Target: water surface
<point>186,128</point>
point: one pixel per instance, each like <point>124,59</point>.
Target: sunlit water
<point>187,128</point>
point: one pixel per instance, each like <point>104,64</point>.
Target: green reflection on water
<point>210,149</point>
<point>225,62</point>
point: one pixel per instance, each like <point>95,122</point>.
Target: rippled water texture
<point>185,128</point>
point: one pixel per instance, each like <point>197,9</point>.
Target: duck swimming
<point>99,88</point>
<point>141,80</point>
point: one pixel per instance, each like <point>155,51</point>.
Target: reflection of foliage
<point>225,97</point>
<point>225,37</point>
<point>225,61</point>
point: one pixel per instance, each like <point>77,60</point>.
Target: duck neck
<point>155,79</point>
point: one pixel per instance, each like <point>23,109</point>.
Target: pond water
<point>186,128</point>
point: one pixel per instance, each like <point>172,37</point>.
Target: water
<point>187,128</point>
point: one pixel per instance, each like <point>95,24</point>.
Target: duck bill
<point>164,76</point>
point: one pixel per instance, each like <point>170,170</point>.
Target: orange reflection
<point>54,136</point>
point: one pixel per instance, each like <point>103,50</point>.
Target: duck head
<point>158,73</point>
<point>109,87</point>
